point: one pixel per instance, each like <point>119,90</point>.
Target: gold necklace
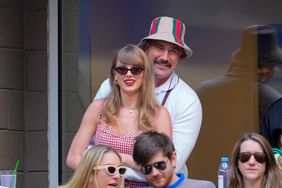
<point>130,110</point>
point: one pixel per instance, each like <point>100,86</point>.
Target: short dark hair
<point>148,144</point>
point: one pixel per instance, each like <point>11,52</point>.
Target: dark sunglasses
<point>133,70</point>
<point>245,157</point>
<point>112,170</point>
<point>147,169</point>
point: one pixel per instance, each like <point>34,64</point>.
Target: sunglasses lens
<point>133,70</point>
<point>121,70</point>
<point>260,157</point>
<point>111,170</point>
<point>147,169</point>
<point>245,157</point>
<point>122,170</point>
<point>160,165</point>
<point>136,70</point>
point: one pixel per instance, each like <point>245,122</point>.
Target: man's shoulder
<point>104,89</point>
<point>183,90</point>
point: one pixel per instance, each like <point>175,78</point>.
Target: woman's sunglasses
<point>112,170</point>
<point>245,157</point>
<point>147,169</point>
<point>134,70</point>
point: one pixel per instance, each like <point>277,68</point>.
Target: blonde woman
<point>253,164</point>
<point>100,167</point>
<point>130,109</point>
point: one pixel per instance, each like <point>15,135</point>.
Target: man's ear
<point>173,159</point>
<point>147,45</point>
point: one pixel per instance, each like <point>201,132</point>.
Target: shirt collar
<point>167,85</point>
<point>178,182</point>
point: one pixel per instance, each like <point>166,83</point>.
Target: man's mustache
<point>162,63</point>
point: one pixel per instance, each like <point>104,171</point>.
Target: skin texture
<point>252,171</point>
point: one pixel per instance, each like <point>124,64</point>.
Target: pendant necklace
<point>131,110</point>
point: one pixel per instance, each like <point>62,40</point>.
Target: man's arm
<point>186,114</point>
<point>186,128</point>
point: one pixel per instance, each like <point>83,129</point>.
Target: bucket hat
<point>170,30</point>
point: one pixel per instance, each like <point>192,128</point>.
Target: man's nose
<point>165,54</point>
<point>154,171</point>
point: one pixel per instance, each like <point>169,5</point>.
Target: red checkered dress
<point>106,135</point>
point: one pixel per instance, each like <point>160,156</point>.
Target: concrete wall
<point>72,103</point>
<point>23,90</point>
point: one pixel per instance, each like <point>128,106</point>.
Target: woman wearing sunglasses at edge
<point>130,109</point>
<point>253,165</point>
<point>100,167</point>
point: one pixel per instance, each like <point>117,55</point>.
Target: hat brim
<point>167,38</point>
<point>273,58</point>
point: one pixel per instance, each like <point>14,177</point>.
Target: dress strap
<point>102,106</point>
<point>167,92</point>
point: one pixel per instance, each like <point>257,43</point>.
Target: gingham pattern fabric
<point>108,136</point>
<point>122,143</point>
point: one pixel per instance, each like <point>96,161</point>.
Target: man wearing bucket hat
<point>165,47</point>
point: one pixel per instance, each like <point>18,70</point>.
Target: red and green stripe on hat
<point>176,29</point>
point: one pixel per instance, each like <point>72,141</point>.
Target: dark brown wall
<point>23,90</point>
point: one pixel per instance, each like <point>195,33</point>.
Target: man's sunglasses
<point>112,170</point>
<point>147,169</point>
<point>134,70</point>
<point>245,157</point>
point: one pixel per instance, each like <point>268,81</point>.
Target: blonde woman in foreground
<point>100,167</point>
<point>253,164</point>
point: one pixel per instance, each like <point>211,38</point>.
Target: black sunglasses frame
<point>160,165</point>
<point>134,70</point>
<point>245,157</point>
<point>121,169</point>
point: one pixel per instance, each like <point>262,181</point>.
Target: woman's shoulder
<point>162,111</point>
<point>96,106</point>
<point>162,116</point>
<point>98,102</point>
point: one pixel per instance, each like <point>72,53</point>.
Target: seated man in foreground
<point>156,155</point>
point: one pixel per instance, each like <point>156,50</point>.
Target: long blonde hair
<point>272,177</point>
<point>148,106</point>
<point>85,170</point>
